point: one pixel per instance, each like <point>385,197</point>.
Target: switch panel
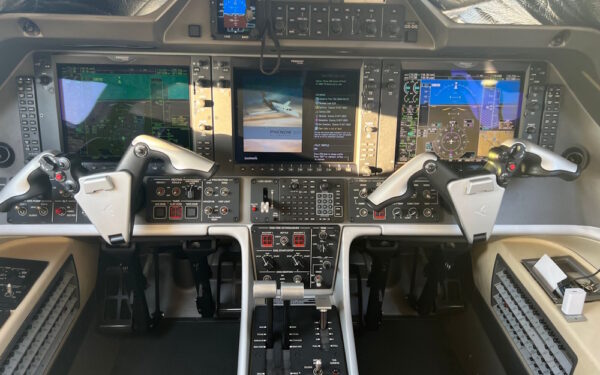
<point>297,200</point>
<point>298,254</point>
<point>192,200</point>
<point>293,20</point>
<point>422,207</point>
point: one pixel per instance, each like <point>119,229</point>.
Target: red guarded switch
<point>266,240</point>
<point>299,240</point>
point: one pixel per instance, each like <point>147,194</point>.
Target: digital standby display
<point>295,116</point>
<point>457,115</point>
<point>236,17</point>
<point>104,107</point>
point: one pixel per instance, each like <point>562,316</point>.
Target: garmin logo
<point>298,62</point>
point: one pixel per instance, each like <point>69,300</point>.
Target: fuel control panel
<point>299,254</point>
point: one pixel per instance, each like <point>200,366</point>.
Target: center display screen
<point>103,107</point>
<point>295,115</point>
<point>457,115</point>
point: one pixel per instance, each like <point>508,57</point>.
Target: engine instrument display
<point>458,115</point>
<point>103,107</point>
<point>296,115</point>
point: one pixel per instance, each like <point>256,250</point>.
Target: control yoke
<point>107,198</point>
<point>474,197</point>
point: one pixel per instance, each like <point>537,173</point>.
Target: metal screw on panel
<point>141,151</point>
<point>430,167</point>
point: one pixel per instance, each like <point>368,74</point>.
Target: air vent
<point>542,348</point>
<point>39,338</point>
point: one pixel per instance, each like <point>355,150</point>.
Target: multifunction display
<point>458,115</point>
<point>296,115</point>
<point>103,107</point>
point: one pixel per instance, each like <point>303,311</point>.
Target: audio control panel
<point>422,207</point>
<point>297,200</point>
<point>342,21</point>
<point>298,254</point>
<point>192,200</point>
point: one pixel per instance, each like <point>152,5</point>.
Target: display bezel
<point>288,65</point>
<point>179,64</point>
<point>447,72</point>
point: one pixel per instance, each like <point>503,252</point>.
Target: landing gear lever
<point>106,197</point>
<point>475,197</point>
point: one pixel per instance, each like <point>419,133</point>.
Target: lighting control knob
<point>268,262</point>
<point>336,27</point>
<point>326,265</point>
<point>324,186</point>
<point>393,28</point>
<point>294,186</point>
<point>7,155</point>
<point>208,210</point>
<point>391,85</point>
<point>323,235</point>
<point>371,28</point>
<point>223,83</point>
<point>369,105</point>
<point>363,193</point>
<point>209,192</point>
<point>284,240</point>
<point>225,192</point>
<point>45,80</point>
<point>303,27</point>
<point>413,212</point>
<point>203,82</point>
<point>279,26</point>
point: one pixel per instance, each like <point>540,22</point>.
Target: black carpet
<point>407,346</point>
<point>190,346</point>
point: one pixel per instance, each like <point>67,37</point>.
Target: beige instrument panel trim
<point>54,250</point>
<point>582,337</point>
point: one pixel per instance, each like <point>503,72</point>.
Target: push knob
<point>323,235</point>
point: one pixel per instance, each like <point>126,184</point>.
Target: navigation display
<point>103,107</point>
<point>295,115</point>
<point>458,115</point>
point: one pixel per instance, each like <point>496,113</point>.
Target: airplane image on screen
<point>276,106</point>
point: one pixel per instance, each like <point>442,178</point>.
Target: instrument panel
<point>313,138</point>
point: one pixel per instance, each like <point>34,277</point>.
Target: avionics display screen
<point>295,115</point>
<point>236,17</point>
<point>456,114</point>
<point>103,107</point>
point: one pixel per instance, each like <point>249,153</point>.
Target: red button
<point>175,212</point>
<point>512,167</point>
<point>254,208</point>
<point>59,176</point>
<point>60,211</point>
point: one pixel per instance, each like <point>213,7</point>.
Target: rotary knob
<point>268,262</point>
<point>336,27</point>
<point>371,28</point>
<point>279,26</point>
<point>297,261</point>
<point>323,235</point>
<point>303,27</point>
